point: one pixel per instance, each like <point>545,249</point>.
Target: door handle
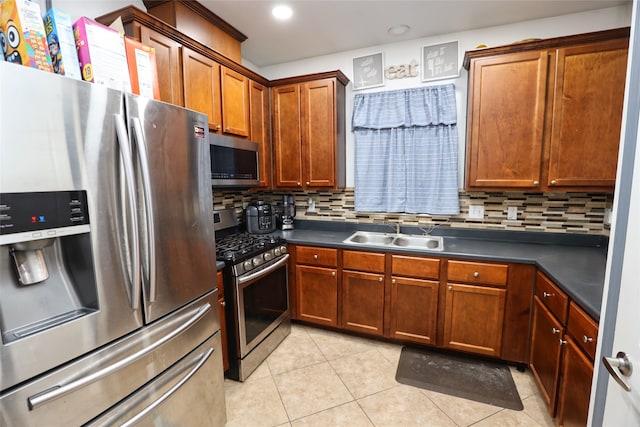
<point>618,367</point>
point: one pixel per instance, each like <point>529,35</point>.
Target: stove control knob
<point>256,261</point>
<point>283,249</point>
<point>277,251</point>
<point>267,256</point>
<point>247,265</point>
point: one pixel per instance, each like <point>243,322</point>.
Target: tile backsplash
<point>547,212</point>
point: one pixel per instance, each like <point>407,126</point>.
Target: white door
<point>615,397</point>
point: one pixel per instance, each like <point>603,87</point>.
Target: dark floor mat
<point>460,376</point>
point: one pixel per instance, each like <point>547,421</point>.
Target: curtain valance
<point>423,106</point>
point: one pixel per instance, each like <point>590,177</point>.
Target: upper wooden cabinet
<point>309,131</point>
<point>260,128</point>
<point>546,115</point>
<point>169,65</point>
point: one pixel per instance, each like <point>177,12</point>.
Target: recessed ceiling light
<point>398,30</point>
<point>282,12</point>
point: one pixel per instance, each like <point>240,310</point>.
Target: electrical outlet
<point>476,211</point>
<point>512,212</point>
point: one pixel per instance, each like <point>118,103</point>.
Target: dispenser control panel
<point>32,212</point>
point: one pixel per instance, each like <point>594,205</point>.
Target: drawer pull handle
<point>476,274</point>
<point>555,331</point>
<point>315,257</point>
<point>547,295</point>
<point>586,339</point>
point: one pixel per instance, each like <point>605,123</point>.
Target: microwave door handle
<point>134,272</point>
<point>199,361</point>
<point>258,274</point>
<point>150,262</point>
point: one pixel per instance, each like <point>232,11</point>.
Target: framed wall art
<point>440,61</point>
<point>368,71</point>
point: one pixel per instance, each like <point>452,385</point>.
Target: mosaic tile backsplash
<point>546,212</point>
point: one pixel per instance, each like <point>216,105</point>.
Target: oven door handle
<point>258,274</point>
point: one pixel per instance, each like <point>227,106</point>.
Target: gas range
<point>241,250</point>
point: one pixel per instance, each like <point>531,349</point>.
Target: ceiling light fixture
<point>398,30</point>
<point>282,12</point>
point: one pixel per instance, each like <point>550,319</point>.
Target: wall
<point>552,212</point>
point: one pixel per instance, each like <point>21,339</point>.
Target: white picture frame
<point>368,71</point>
<point>440,61</point>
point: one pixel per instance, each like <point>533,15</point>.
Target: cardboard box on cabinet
<point>143,70</point>
<point>62,45</point>
<point>101,54</point>
<point>22,34</point>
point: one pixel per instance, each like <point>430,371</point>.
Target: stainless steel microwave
<point>234,162</point>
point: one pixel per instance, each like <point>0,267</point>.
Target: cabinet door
<point>259,116</point>
<point>319,133</point>
<point>546,352</point>
<point>506,120</point>
<point>414,309</point>
<point>286,136</point>
<point>235,103</point>
<point>587,114</point>
<point>202,86</point>
<point>575,387</point>
<point>317,294</point>
<point>168,64</point>
<point>474,318</point>
<point>363,302</point>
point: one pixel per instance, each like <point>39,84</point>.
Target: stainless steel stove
<point>256,283</point>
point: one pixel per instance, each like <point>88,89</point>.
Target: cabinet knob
<point>547,295</point>
<point>450,288</point>
<point>476,274</point>
<point>393,281</point>
<point>315,257</point>
<point>562,342</point>
<point>299,184</point>
<point>333,273</point>
<point>586,339</point>
<point>536,182</point>
<point>380,279</point>
<point>217,127</point>
<point>555,330</point>
<point>227,129</point>
<point>308,183</point>
<point>554,182</point>
<point>223,303</point>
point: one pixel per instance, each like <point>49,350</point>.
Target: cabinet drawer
<point>477,272</point>
<point>552,297</point>
<point>424,268</point>
<point>363,261</point>
<point>583,329</point>
<point>317,256</point>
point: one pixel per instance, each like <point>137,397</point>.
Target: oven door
<point>263,303</point>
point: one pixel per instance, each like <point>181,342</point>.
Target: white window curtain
<point>406,151</point>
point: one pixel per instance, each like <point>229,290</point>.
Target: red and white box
<point>102,54</point>
<point>143,70</point>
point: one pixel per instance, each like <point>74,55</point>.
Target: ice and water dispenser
<point>47,274</point>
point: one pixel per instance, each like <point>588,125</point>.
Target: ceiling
<point>321,27</point>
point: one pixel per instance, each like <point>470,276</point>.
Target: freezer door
<point>82,390</point>
<point>171,153</point>
<point>189,394</point>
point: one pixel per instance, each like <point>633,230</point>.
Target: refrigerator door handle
<point>150,262</point>
<point>62,390</point>
<point>134,249</point>
<point>199,361</point>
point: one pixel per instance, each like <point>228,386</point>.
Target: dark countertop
<point>575,262</point>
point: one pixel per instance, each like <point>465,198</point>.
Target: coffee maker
<point>288,211</point>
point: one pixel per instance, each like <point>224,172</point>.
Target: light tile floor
<point>328,379</point>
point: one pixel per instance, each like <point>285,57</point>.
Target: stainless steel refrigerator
<point>108,293</point>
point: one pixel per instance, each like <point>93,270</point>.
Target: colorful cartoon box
<point>143,70</point>
<point>22,34</point>
<point>62,45</point>
<point>101,54</point>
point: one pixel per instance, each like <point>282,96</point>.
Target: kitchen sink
<point>391,240</point>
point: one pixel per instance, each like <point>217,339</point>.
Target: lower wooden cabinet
<point>473,318</point>
<point>414,310</point>
<point>317,294</point>
<point>363,302</point>
<point>546,352</point>
<point>575,387</point>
